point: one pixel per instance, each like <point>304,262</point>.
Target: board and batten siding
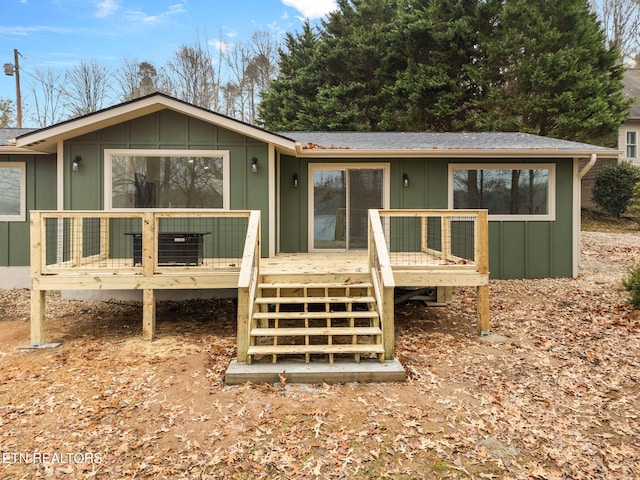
<point>517,249</point>
<point>167,129</point>
<point>40,191</point>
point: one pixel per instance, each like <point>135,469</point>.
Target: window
<point>632,145</point>
<point>12,192</point>
<point>509,192</point>
<point>166,179</point>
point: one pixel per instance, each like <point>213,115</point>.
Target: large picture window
<point>509,192</point>
<point>12,191</point>
<point>167,179</point>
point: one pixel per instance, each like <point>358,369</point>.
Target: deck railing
<point>248,284</point>
<point>145,243</point>
<point>383,281</point>
<point>436,238</point>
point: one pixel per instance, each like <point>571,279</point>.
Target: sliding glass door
<point>340,199</point>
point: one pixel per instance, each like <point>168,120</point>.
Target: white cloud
<point>139,16</point>
<point>106,8</point>
<point>312,8</point>
<point>219,45</point>
<point>24,31</point>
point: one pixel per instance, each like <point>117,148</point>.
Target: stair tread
<point>315,285</point>
<point>300,300</point>
<point>314,331</point>
<point>303,315</point>
<point>297,349</point>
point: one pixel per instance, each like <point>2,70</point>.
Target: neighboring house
<point>540,240</point>
<point>629,131</point>
<point>628,136</point>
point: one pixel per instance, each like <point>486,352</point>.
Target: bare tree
<point>137,79</point>
<point>250,68</point>
<point>236,58</point>
<point>621,23</point>
<point>264,49</point>
<point>87,87</point>
<point>48,97</point>
<point>192,76</point>
<point>261,68</point>
<point>6,112</point>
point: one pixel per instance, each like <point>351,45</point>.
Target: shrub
<point>613,188</point>
<point>634,208</point>
<point>631,284</point>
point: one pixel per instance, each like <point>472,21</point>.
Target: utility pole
<point>9,70</point>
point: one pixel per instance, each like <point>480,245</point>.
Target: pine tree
<point>548,70</point>
<point>539,66</point>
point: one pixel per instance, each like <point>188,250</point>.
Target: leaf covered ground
<point>557,399</point>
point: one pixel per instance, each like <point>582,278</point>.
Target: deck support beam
<point>388,324</point>
<point>148,314</point>
<point>482,301</point>
<point>243,325</point>
<point>38,301</point>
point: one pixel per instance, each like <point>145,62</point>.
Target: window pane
<point>632,145</point>
<point>502,192</point>
<point>10,178</point>
<point>329,209</point>
<point>167,182</point>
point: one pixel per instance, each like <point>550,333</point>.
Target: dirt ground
<point>557,399</point>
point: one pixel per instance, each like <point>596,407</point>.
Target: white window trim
<point>551,167</point>
<point>109,153</point>
<point>627,144</point>
<point>22,216</point>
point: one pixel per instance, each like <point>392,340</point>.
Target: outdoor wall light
<point>254,165</point>
<point>75,165</point>
<point>296,180</point>
<point>405,180</point>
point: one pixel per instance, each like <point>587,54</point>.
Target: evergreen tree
<point>548,70</point>
<point>537,66</point>
<point>290,104</point>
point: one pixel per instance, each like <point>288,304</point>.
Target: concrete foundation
<point>297,371</point>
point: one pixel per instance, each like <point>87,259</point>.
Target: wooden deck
<point>407,248</point>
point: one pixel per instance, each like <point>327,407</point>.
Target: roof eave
<point>453,153</point>
<point>46,139</point>
<point>13,150</point>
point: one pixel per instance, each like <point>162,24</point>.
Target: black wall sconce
<point>405,180</point>
<point>296,180</point>
<point>254,165</point>
<point>75,165</point>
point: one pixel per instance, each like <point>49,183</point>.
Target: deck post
<point>482,260</point>
<point>37,296</point>
<point>483,310</point>
<point>388,324</point>
<point>148,314</point>
<point>37,317</point>
<point>243,325</point>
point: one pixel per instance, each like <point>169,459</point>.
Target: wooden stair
<point>315,318</point>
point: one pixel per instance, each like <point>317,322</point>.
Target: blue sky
<point>61,33</point>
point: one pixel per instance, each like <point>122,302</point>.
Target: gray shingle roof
<point>8,134</point>
<point>631,82</point>
<point>436,141</point>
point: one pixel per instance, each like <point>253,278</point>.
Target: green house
<point>313,188</point>
<point>317,232</point>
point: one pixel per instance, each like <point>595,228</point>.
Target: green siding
<point>293,205</point>
<point>536,249</point>
<point>169,130</point>
<point>40,194</point>
<point>517,249</point>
